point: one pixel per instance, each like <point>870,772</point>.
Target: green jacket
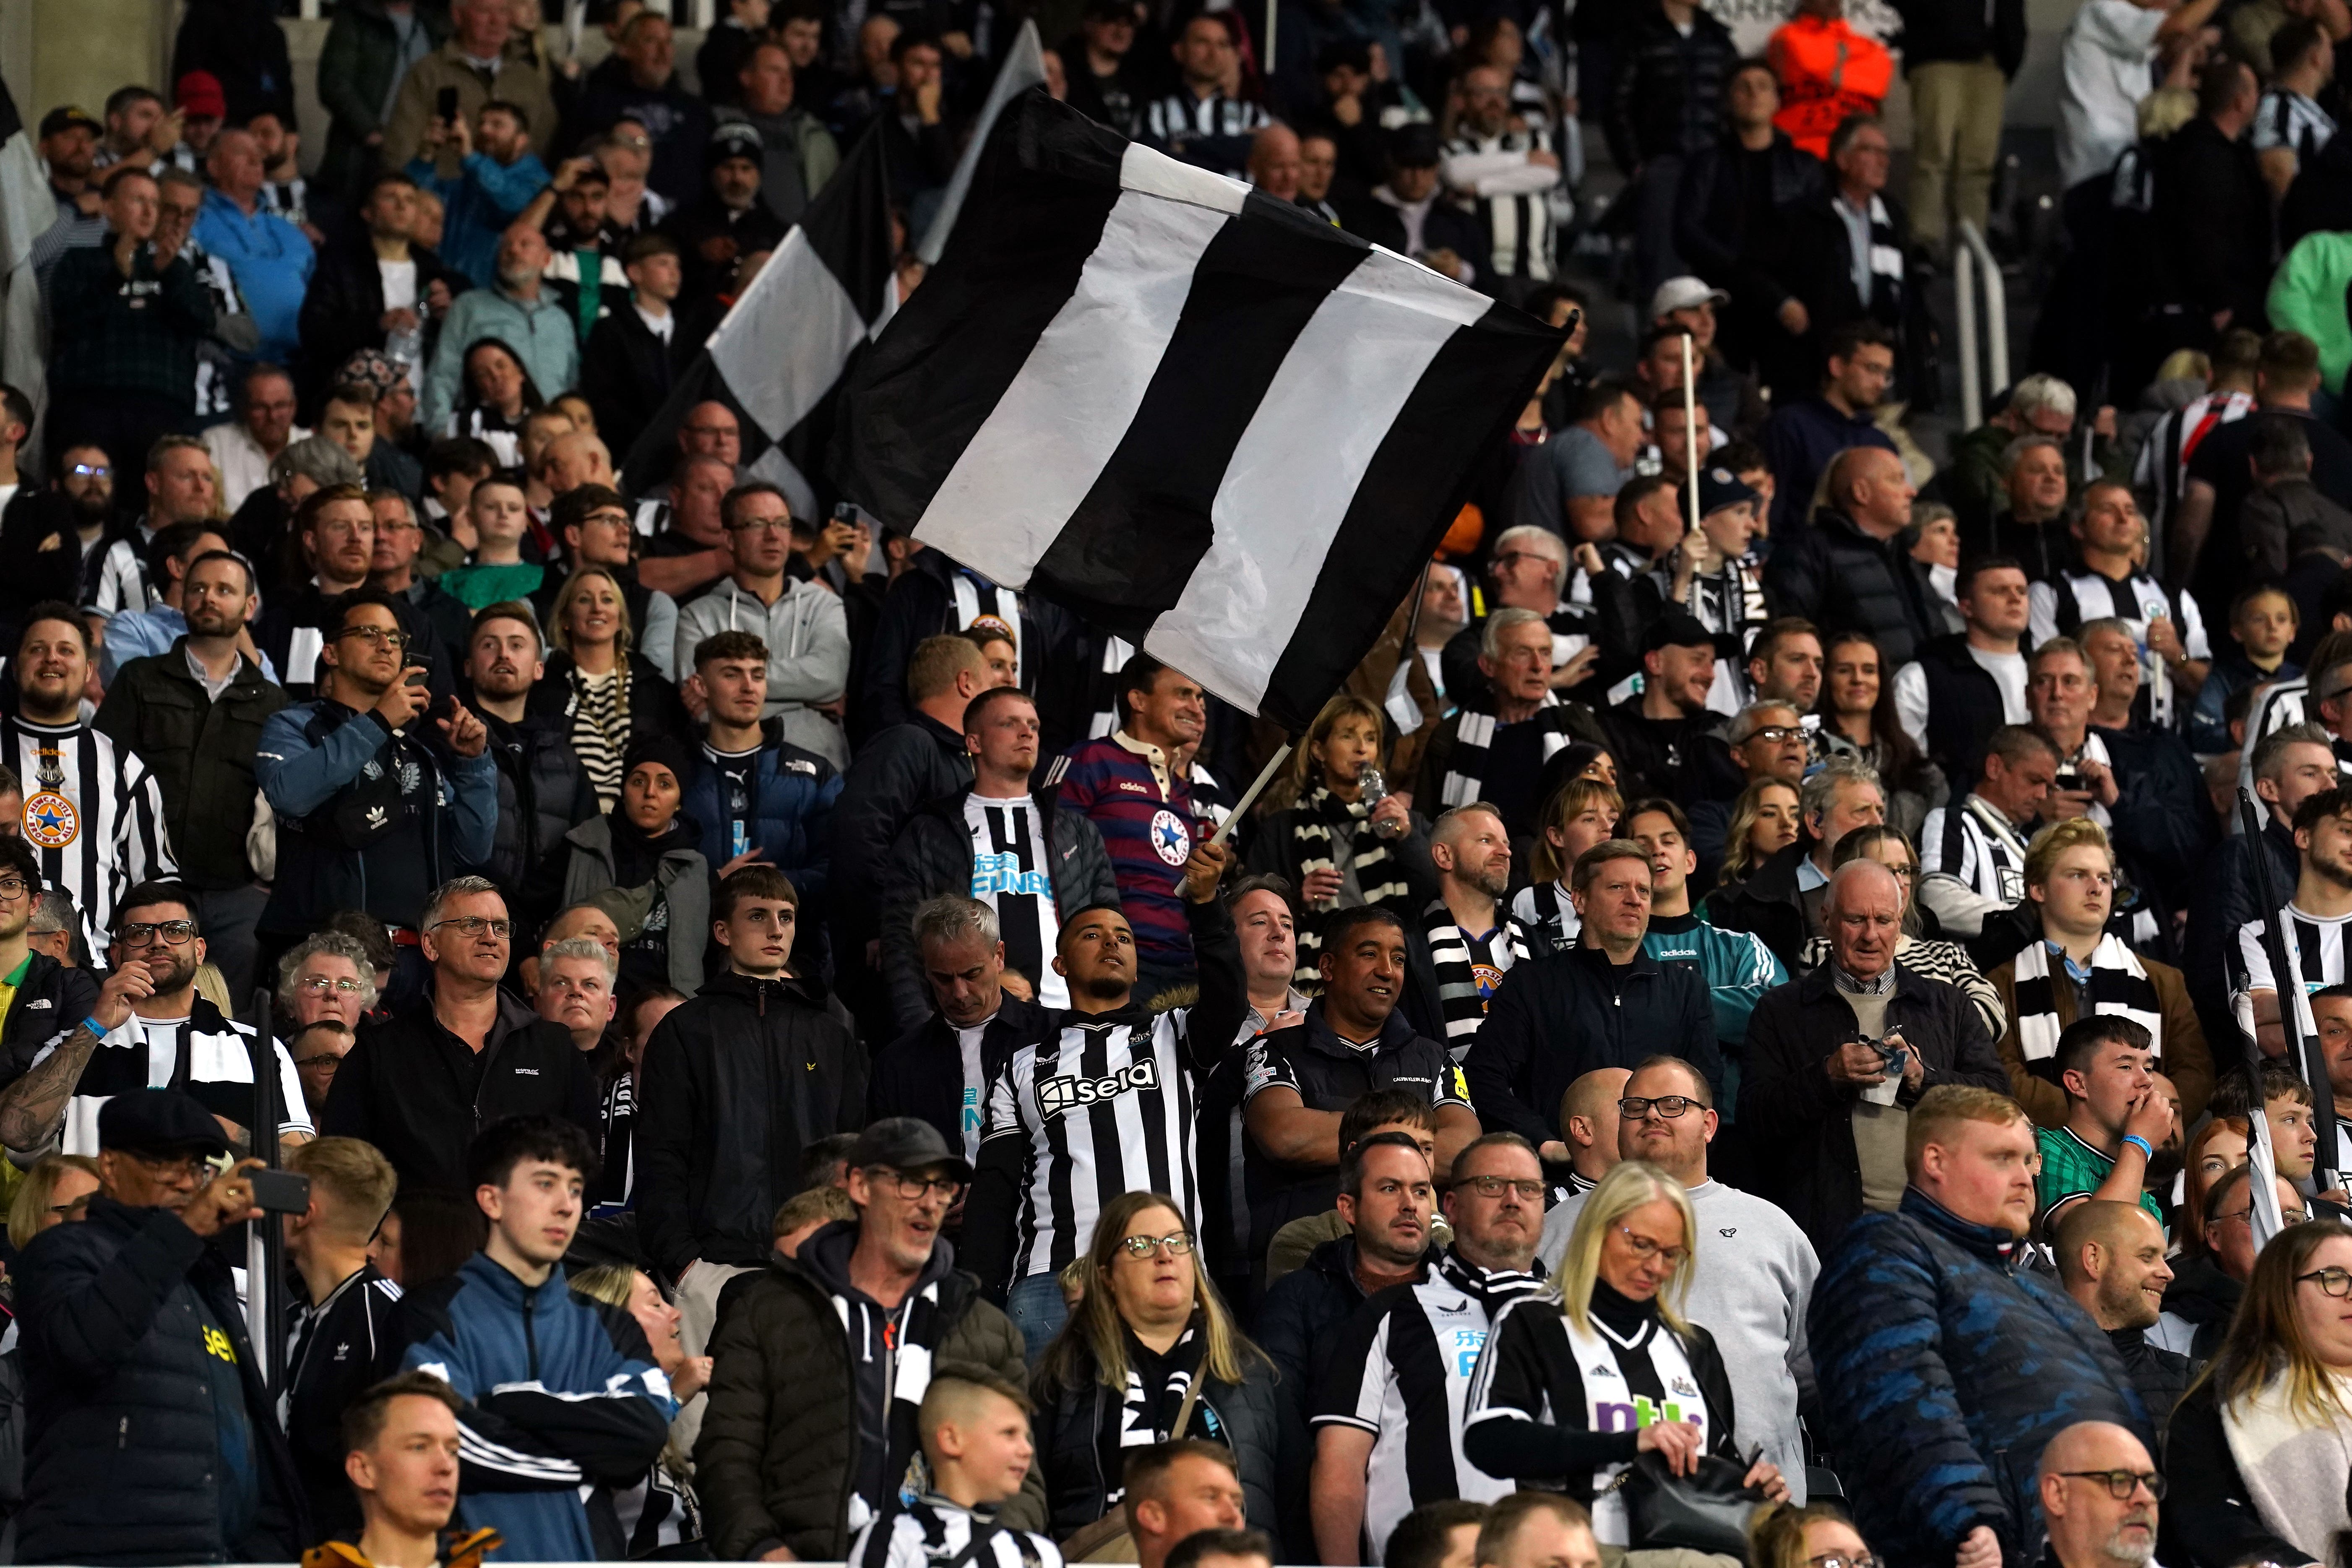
<point>2307,296</point>
<point>201,751</point>
<point>357,69</point>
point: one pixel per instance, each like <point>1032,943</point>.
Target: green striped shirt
<point>2072,1169</point>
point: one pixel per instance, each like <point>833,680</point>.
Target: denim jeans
<point>1037,1309</point>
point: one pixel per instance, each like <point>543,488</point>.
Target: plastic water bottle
<point>1374,789</point>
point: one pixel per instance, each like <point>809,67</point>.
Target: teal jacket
<point>1738,969</point>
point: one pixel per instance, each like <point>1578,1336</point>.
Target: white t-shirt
<point>2103,73</point>
<point>2006,669</point>
<point>399,283</point>
<point>971,1115</point>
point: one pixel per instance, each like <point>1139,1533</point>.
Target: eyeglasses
<point>1178,1243</point>
<point>1840,1560</point>
<point>761,525</point>
<point>607,518</point>
<point>913,1188</point>
<point>1776,732</point>
<point>174,933</point>
<point>2286,1217</point>
<point>90,472</point>
<point>2334,1281</point>
<point>376,635</point>
<point>475,925</point>
<point>13,888</point>
<point>1669,1106</point>
<point>194,1165</point>
<point>1646,1249</point>
<point>2120,1484</point>
<point>1495,1186</point>
<point>319,984</point>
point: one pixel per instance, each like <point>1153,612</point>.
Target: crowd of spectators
<point>793,1050</point>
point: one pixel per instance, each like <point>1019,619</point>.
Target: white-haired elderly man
<point>1529,569</point>
<point>576,977</point>
<point>1836,1060</point>
<point>1494,747</point>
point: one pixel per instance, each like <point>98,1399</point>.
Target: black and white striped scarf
<point>2118,987</point>
<point>1459,999</point>
<point>1474,736</point>
<point>1321,815</point>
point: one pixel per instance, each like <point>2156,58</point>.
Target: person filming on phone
<point>380,794</point>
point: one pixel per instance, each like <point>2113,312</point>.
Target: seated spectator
<point>642,89</point>
<point>1767,741</point>
<point>2111,1260</point>
<point>271,259</point>
<point>779,1459</point>
<point>2116,1119</point>
<point>1804,435</point>
<point>422,1121</point>
<point>1829,73</point>
<point>1182,1495</point>
<point>975,1436</point>
<point>1408,213</point>
<point>1595,999</point>
<point>1618,1315</point>
<point>1881,1035</point>
<point>1198,122</point>
<point>725,220</point>
<point>2106,580</point>
<point>1145,1293</point>
<point>1784,660</point>
<point>634,357</point>
<point>1782,898</point>
<point>611,695</point>
<point>1920,951</point>
<point>318,1050</point>
<point>243,448</point>
<point>2236,1500</point>
<point>1952,1455</point>
<point>1529,570</point>
<point>2205,1292</point>
<point>756,798</point>
<point>1578,815</point>
<point>326,977</point>
<point>1967,684</point>
<point>517,310</point>
<point>1106,85</point>
<point>1849,570</point>
<point>640,858</point>
<point>399,1447</point>
<point>1569,486</point>
<point>1972,852</point>
<point>564,1386</point>
<point>119,1303</point>
<point>1659,736</point>
<point>486,174</point>
<point>798,155</point>
<point>1761,822</point>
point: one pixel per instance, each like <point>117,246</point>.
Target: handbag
<point>1107,1539</point>
<point>1707,1510</point>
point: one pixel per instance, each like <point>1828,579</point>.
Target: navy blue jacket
<point>560,1392</point>
<point>791,814</point>
<point>1944,1368</point>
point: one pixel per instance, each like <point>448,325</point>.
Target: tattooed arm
<point>32,1107</point>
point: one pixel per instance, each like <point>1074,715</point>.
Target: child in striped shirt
<point>974,1429</point>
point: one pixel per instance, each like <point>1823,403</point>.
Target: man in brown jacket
<point>2080,967</point>
<point>822,1360</point>
<point>477,62</point>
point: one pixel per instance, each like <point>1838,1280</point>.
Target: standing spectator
<point>239,44</point>
<point>486,175</point>
<point>798,155</point>
<point>941,1071</point>
<point>1105,83</point>
<point>2111,1260</point>
<point>370,47</point>
<point>334,529</point>
<point>2290,128</point>
<point>1508,166</point>
<point>1781,900</point>
<point>131,1310</point>
<point>1672,65</point>
<point>758,798</point>
<point>1410,214</point>
<point>543,791</point>
<point>1838,1104</point>
<point>1464,941</point>
<point>633,356</point>
<point>806,1437</point>
<point>563,1396</point>
<point>474,62</point>
<point>2211,1285</point>
<point>49,997</point>
<point>271,259</point>
<point>243,448</point>
<point>2315,913</point>
<point>719,1135</point>
<point>725,221</point>
<point>2105,580</point>
<point>2211,205</point>
<point>1957,57</point>
<point>2088,1521</point>
<point>1751,1292</point>
<point>1570,484</point>
<point>1846,248</point>
<point>1967,684</point>
<point>136,633</point>
<point>346,1337</point>
<point>458,1050</point>
<point>519,311</point>
<point>181,488</point>
<point>802,626</point>
<point>1493,751</point>
<point>593,522</point>
<point>2104,61</point>
<point>1665,737</point>
<point>196,713</point>
<point>124,373</point>
<point>1829,73</point>
<point>1958,1446</point>
<point>1972,852</point>
<point>2209,544</point>
<point>610,694</point>
<point>2288,767</point>
<point>1199,122</point>
<point>68,151</point>
<point>1803,439</point>
<point>643,88</point>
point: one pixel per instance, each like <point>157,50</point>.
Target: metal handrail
<point>1972,258</point>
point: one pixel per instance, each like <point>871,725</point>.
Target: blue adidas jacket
<point>560,1393</point>
<point>1944,1369</point>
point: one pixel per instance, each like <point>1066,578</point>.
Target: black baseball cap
<point>906,1143</point>
<point>159,1122</point>
<point>65,117</point>
<point>1677,628</point>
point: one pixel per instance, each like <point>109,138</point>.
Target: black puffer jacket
<point>735,1084</point>
<point>1668,93</point>
<point>1843,580</point>
<point>202,750</point>
<point>933,856</point>
<point>50,1000</point>
<point>125,1461</point>
<point>893,776</point>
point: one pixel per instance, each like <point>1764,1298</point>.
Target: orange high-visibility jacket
<point>1828,72</point>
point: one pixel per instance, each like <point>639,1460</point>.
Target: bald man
<point>2111,1260</point>
<point>2081,1469</point>
<point>1587,1125</point>
<point>1273,162</point>
<point>1850,570</point>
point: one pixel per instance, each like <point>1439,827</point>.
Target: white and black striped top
<point>981,606</point>
<point>1100,1109</point>
<point>1009,874</point>
<point>1547,921</point>
<point>1511,196</point>
<point>2315,946</point>
<point>2287,118</point>
<point>1401,1371</point>
<point>93,812</point>
<point>2060,606</point>
<point>119,580</point>
<point>205,1056</point>
<point>1956,842</point>
<point>1470,967</point>
<point>1180,119</point>
<point>932,1532</point>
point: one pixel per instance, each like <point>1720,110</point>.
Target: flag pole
<point>1266,66</point>
<point>1690,427</point>
<point>2262,1194</point>
<point>1249,795</point>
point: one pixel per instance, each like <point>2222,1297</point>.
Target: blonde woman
<point>658,1512</point>
<point>1764,821</point>
<point>1339,848</point>
<point>1559,1391</point>
<point>1115,1377</point>
<point>1577,815</point>
<point>1818,1535</point>
<point>608,693</point>
<point>54,1192</point>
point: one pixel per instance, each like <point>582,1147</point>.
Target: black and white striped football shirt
<point>203,1056</point>
<point>93,812</point>
<point>1962,842</point>
<point>1011,876</point>
<point>933,1532</point>
<point>1512,195</point>
<point>1401,1371</point>
<point>2315,946</point>
<point>2288,119</point>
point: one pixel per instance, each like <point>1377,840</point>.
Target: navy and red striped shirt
<point>1147,828</point>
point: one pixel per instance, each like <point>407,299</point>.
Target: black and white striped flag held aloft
<point>1195,414</point>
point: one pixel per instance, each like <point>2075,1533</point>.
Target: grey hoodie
<point>808,654</point>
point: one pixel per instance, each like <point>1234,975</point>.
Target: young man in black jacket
<point>1664,104</point>
<point>940,1071</point>
<point>736,1083</point>
<point>543,791</point>
<point>345,309</point>
<point>632,355</point>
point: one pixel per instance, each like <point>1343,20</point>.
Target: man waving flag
<point>1183,409</point>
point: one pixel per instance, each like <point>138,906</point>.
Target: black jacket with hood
<point>891,778</point>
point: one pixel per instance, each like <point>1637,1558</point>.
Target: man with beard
<point>543,791</point>
<point>1381,1418</point>
<point>1663,735</point>
<point>2317,916</point>
<point>132,633</point>
<point>149,1025</point>
<point>336,529</point>
<point>435,619</point>
<point>2090,1526</point>
<point>1465,940</point>
<point>195,710</point>
<point>2111,1260</point>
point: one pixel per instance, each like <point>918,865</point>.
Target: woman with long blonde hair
<point>659,1510</point>
<point>1556,1396</point>
<point>1577,815</point>
<point>1150,1353</point>
<point>607,693</point>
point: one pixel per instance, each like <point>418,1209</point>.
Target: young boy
<point>2263,621</point>
<point>974,1429</point>
<point>497,572</point>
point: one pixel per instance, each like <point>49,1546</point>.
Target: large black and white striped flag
<point>1192,413</point>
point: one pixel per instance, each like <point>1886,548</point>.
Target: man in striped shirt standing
<point>1199,122</point>
<point>1508,168</point>
<point>92,809</point>
<point>1466,941</point>
<point>1389,1415</point>
<point>2316,918</point>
